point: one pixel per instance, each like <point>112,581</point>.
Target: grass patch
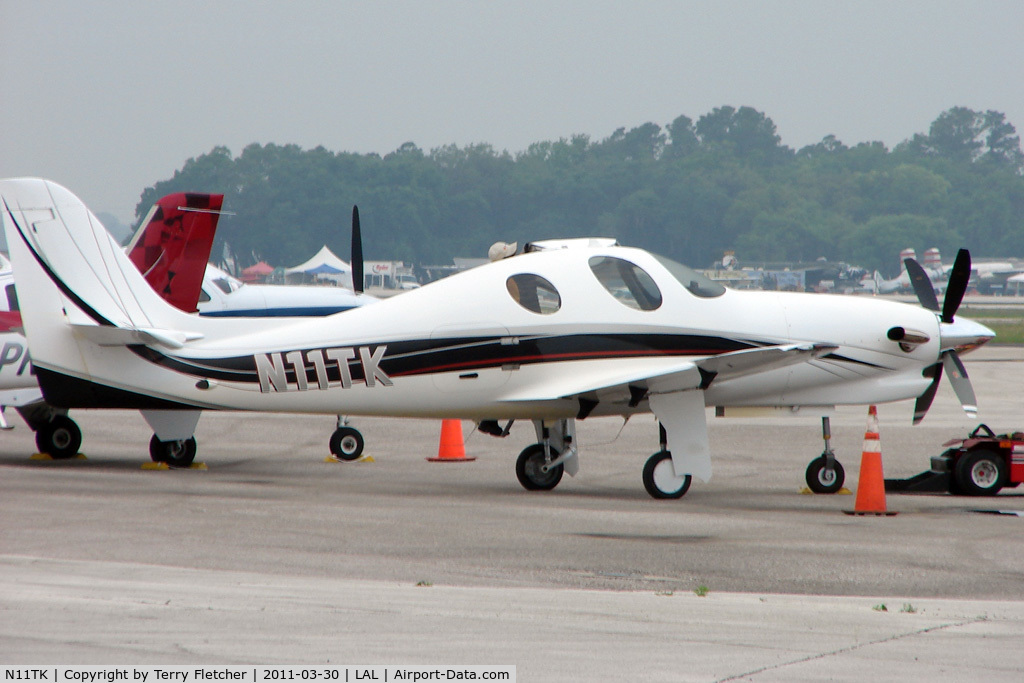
<point>1007,332</point>
<point>700,591</point>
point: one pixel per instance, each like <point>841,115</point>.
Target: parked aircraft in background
<point>552,336</point>
<point>988,276</point>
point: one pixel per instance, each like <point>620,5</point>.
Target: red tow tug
<point>980,465</point>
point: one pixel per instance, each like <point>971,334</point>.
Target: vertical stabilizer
<point>73,278</point>
<point>173,246</point>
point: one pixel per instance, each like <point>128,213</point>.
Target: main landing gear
<point>540,466</point>
<point>57,435</point>
<point>825,474</point>
<point>346,442</point>
<point>659,476</point>
<point>60,438</point>
<point>178,453</point>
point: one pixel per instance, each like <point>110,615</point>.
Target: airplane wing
<point>676,375</point>
<point>674,392</point>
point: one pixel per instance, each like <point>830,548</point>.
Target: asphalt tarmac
<point>271,555</point>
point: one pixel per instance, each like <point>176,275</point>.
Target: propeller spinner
<point>954,335</point>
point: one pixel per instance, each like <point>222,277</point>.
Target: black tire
<point>346,443</point>
<point>660,478</point>
<point>60,438</point>
<point>528,470</point>
<point>980,473</point>
<point>180,453</point>
<point>820,479</point>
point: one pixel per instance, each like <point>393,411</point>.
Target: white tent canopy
<point>325,264</point>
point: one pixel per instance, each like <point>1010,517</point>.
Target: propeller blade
<point>960,381</point>
<point>922,285</point>
<point>924,401</point>
<point>957,285</point>
<point>357,253</point>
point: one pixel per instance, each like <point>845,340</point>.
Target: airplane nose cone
<point>964,335</point>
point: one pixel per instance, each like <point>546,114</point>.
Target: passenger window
<point>534,293</point>
<point>627,282</point>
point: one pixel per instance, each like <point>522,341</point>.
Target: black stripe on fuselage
<point>430,356</point>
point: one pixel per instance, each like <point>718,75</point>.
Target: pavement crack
<point>852,648</point>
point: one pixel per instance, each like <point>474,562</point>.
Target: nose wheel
<point>825,474</point>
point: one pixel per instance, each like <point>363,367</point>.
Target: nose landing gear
<point>825,474</point>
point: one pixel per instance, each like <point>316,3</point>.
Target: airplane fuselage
<point>464,347</point>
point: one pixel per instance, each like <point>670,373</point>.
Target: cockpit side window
<point>698,284</point>
<point>224,285</point>
<point>12,298</point>
<point>204,296</point>
<point>534,293</point>
<point>627,282</point>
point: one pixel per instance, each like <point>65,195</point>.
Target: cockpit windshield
<point>228,284</point>
<point>697,283</point>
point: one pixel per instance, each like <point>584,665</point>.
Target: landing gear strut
<point>825,474</point>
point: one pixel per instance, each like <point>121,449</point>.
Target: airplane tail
<point>172,247</point>
<point>97,330</point>
<point>78,291</point>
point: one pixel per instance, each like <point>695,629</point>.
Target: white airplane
<point>171,248</point>
<point>937,273</point>
<point>552,335</point>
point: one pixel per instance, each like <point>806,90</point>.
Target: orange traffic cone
<point>451,447</point>
<point>870,482</point>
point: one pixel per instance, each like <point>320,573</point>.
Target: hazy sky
<point>109,97</point>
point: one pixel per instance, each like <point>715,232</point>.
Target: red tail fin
<point>173,247</point>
